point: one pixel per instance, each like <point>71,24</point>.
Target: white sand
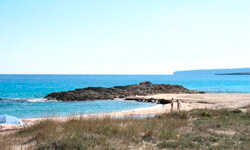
<point>188,102</point>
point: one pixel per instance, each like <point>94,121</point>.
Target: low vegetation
<point>196,129</point>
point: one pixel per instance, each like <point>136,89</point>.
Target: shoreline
<point>188,102</point>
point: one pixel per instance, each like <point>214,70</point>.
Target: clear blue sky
<point>122,37</point>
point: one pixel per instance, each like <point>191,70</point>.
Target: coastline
<point>188,102</point>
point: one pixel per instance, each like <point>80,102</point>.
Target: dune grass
<point>196,129</point>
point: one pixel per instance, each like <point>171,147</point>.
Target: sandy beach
<point>188,102</point>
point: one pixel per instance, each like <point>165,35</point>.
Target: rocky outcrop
<point>101,93</point>
<point>149,100</point>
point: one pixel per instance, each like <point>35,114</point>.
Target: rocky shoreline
<point>101,93</point>
<point>149,100</point>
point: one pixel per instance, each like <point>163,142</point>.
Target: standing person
<point>178,105</point>
<point>172,104</point>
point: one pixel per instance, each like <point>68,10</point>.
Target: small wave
<point>36,100</point>
<point>33,100</point>
<point>225,92</point>
<point>16,99</point>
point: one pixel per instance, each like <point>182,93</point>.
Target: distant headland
<point>233,71</point>
<point>238,73</point>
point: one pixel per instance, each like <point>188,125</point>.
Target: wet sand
<point>188,102</point>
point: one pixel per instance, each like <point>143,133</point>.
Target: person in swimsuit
<point>172,104</point>
<point>178,105</point>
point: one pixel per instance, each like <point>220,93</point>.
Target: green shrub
<point>206,114</point>
<point>236,111</point>
<point>166,134</point>
<point>167,145</point>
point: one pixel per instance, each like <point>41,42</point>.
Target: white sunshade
<point>5,119</point>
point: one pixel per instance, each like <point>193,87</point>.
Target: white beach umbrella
<point>5,119</point>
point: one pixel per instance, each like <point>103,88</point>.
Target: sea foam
<point>34,100</point>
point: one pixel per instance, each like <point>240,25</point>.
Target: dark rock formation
<point>101,93</point>
<point>150,100</point>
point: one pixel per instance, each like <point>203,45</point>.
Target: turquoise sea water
<point>23,94</point>
<point>40,108</point>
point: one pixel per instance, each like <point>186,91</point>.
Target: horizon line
<point>118,73</point>
<point>78,74</point>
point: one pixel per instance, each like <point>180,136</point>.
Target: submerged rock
<point>101,93</point>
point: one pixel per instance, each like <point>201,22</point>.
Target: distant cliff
<point>213,71</point>
<point>101,93</point>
